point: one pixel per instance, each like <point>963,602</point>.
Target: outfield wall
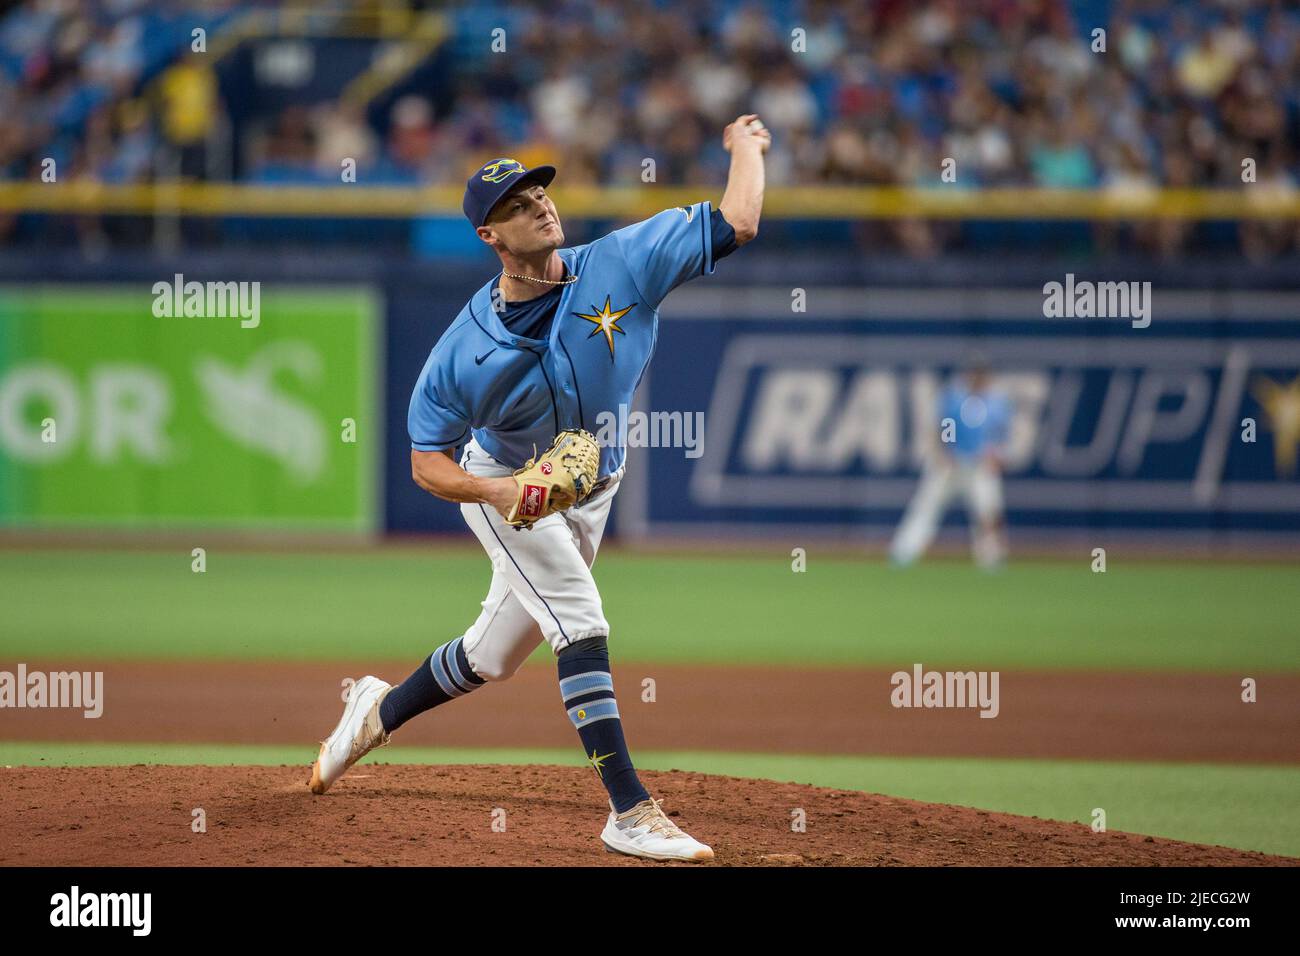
<point>820,420</point>
<point>115,416</point>
<point>806,423</point>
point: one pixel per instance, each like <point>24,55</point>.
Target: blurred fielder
<point>973,420</point>
<point>559,337</point>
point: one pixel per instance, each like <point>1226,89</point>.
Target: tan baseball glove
<point>563,476</point>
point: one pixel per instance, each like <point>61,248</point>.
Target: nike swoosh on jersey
<point>478,359</point>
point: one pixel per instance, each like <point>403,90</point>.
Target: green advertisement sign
<point>187,405</point>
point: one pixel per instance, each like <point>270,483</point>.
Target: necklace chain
<point>569,280</point>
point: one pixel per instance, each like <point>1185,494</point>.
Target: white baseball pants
<point>979,484</point>
<point>542,588</point>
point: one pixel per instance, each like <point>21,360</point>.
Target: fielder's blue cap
<point>493,180</point>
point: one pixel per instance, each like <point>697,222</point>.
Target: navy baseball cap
<point>493,180</point>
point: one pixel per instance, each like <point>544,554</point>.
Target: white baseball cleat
<point>646,831</point>
<point>359,731</point>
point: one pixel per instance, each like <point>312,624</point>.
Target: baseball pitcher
<point>516,384</point>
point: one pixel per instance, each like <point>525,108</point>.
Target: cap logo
<point>501,170</point>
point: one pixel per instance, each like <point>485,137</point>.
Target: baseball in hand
<point>754,128</point>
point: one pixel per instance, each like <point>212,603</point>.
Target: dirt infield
<point>429,815</point>
<point>1104,716</point>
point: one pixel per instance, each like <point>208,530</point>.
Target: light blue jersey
<point>513,393</point>
<point>981,419</point>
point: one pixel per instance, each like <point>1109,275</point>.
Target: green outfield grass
<point>390,604</point>
<point>1249,807</point>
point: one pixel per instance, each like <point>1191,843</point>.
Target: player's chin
<point>550,238</point>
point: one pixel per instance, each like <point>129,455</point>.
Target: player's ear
<point>488,235</point>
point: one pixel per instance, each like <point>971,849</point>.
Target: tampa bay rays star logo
<point>598,762</point>
<point>606,320</point>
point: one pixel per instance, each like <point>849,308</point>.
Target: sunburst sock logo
<point>599,762</point>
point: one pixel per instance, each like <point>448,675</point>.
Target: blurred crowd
<point>96,86</point>
<point>1017,92</point>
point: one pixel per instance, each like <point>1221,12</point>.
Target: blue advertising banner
<point>1187,418</point>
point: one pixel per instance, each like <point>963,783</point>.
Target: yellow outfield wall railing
<point>634,202</point>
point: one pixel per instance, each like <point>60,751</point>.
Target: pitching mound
<point>498,815</point>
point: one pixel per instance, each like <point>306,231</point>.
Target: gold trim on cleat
<point>317,784</point>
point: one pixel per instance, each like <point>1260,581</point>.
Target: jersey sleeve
<point>436,419</point>
<point>667,249</point>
